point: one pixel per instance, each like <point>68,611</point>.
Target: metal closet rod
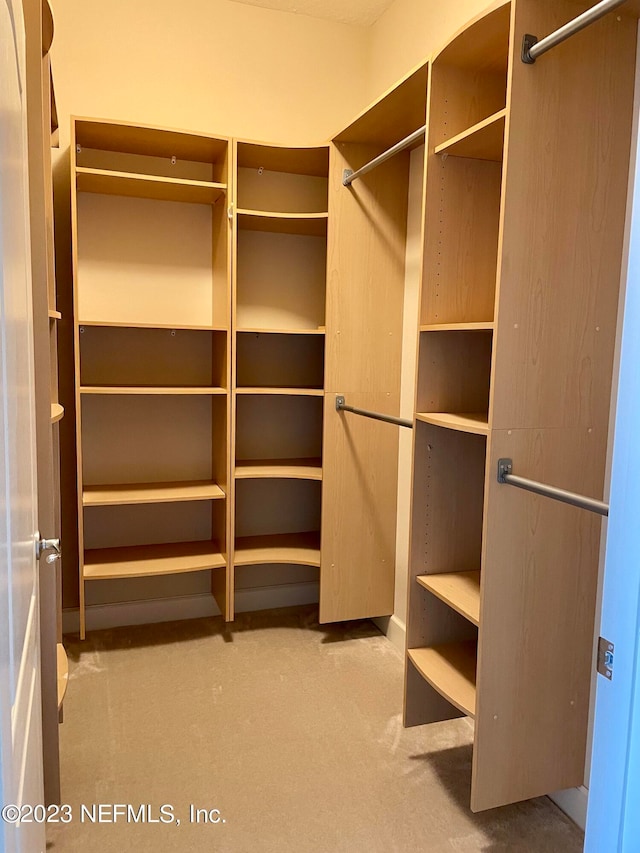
<point>341,406</point>
<point>532,48</point>
<point>349,176</point>
<point>505,475</point>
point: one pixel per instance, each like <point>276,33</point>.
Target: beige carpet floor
<point>292,730</point>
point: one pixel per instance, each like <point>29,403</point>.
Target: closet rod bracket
<point>346,174</point>
<point>528,42</point>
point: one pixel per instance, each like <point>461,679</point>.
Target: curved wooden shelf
<point>483,141</point>
<point>57,413</point>
<point>151,493</point>
<point>263,331</point>
<point>462,422</point>
<point>62,667</point>
<point>460,590</point>
<point>451,670</point>
<point>308,224</point>
<point>299,392</point>
<point>145,560</point>
<point>291,469</point>
<point>54,315</point>
<point>301,549</point>
<point>109,324</point>
<point>107,182</point>
<point>150,389</point>
<point>458,327</point>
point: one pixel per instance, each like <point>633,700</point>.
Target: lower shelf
<point>57,412</point>
<point>294,469</point>
<point>451,670</point>
<point>62,667</point>
<point>143,560</point>
<point>301,549</point>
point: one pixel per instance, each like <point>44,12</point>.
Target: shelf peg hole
<point>261,171</point>
<point>174,160</point>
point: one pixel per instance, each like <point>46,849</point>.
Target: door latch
<point>52,545</point>
<point>605,658</point>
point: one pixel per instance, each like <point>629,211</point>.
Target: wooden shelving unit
<point>152,300</point>
<point>281,211</point>
<point>511,240</point>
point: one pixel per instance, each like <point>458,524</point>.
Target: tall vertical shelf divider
<point>516,337</point>
<point>151,263</point>
<point>279,292</point>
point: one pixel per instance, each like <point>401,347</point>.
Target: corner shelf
<point>290,331</point>
<point>307,224</point>
<point>459,327</point>
<point>150,493</point>
<point>294,469</point>
<point>302,549</point>
<point>57,412</point>
<point>483,141</point>
<point>146,560</point>
<point>299,392</point>
<point>107,182</point>
<point>54,315</point>
<point>138,390</point>
<point>475,423</point>
<point>451,670</point>
<point>110,324</point>
<point>460,590</point>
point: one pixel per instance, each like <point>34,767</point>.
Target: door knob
<point>52,545</point>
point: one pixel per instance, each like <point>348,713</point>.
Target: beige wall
<point>208,65</point>
<point>408,32</point>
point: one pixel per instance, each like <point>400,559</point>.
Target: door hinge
<point>605,658</point>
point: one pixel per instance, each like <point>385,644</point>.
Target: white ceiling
<point>360,12</point>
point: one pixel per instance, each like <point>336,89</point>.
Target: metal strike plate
<point>505,466</point>
<point>605,658</point>
<point>339,403</point>
<point>528,42</point>
<point>346,174</point>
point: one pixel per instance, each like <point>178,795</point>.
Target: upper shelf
<point>483,141</point>
<point>149,389</point>
<point>309,224</point>
<point>109,182</point>
<point>458,327</point>
<point>274,158</point>
<point>281,331</point>
<point>462,422</point>
<point>296,392</point>
<point>57,412</point>
<point>290,469</point>
<point>150,493</point>
<point>124,325</point>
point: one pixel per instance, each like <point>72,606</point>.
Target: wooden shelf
<point>483,141</point>
<point>451,670</point>
<point>291,469</point>
<point>108,324</point>
<point>298,392</point>
<point>309,224</point>
<point>458,327</point>
<point>144,560</point>
<point>57,412</point>
<point>134,185</point>
<point>62,668</point>
<point>262,331</point>
<point>54,315</point>
<point>151,493</point>
<point>149,389</point>
<point>460,590</point>
<point>463,422</point>
<point>302,549</point>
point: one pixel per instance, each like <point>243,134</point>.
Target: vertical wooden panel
<point>366,255</point>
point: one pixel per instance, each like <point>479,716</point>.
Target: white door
<point>20,713</point>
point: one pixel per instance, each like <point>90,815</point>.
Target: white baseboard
<point>573,803</point>
<point>148,611</point>
<point>393,629</point>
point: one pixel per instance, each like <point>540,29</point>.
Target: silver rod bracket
<point>339,403</point>
<point>528,42</point>
<point>345,177</point>
<point>505,466</point>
